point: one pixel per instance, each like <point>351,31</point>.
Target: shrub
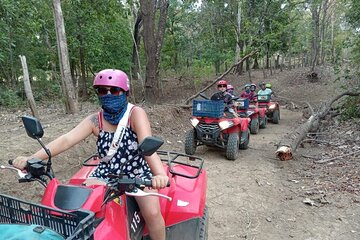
<point>351,108</point>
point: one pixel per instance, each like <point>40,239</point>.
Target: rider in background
<point>247,92</point>
<point>269,86</point>
<point>230,89</point>
<point>112,88</point>
<point>264,90</point>
<point>253,89</point>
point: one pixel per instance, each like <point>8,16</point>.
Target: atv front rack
<point>174,159</point>
<point>71,225</point>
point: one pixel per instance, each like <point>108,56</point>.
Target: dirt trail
<point>254,197</point>
<point>244,195</point>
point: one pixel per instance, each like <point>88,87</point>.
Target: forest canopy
<point>200,38</point>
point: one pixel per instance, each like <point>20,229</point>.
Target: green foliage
<point>351,108</point>
<point>200,39</point>
<point>10,98</point>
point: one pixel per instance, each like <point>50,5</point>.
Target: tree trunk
<point>70,94</point>
<point>289,144</point>
<point>315,14</point>
<point>238,32</point>
<point>135,68</point>
<point>27,87</point>
<point>84,90</point>
<point>153,40</point>
<point>323,27</point>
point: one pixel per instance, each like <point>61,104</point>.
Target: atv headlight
<point>272,106</point>
<point>194,122</point>
<point>225,124</point>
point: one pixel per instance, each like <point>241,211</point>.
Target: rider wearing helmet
<point>269,86</point>
<point>247,92</point>
<point>111,87</point>
<point>223,95</point>
<point>253,87</point>
<point>264,90</point>
<point>230,89</point>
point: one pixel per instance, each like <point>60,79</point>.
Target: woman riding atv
<point>225,96</point>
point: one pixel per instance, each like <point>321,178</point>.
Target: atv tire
<point>254,126</point>
<point>204,225</point>
<point>232,148</point>
<point>190,142</point>
<point>263,122</point>
<point>245,145</point>
<point>276,117</point>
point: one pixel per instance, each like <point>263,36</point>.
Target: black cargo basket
<point>71,225</point>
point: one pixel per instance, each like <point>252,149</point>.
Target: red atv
<point>213,127</point>
<point>75,211</point>
<point>272,108</point>
<point>248,109</point>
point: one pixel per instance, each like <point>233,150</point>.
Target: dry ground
<point>253,197</point>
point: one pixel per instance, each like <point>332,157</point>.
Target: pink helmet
<point>112,78</point>
<point>230,87</point>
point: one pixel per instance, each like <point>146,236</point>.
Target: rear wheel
<point>276,116</point>
<point>263,122</point>
<point>204,223</point>
<point>254,126</point>
<point>232,148</point>
<point>245,139</point>
<point>190,142</point>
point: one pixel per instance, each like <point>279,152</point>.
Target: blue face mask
<point>247,90</point>
<point>114,107</point>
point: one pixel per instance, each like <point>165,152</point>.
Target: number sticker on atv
<point>262,97</point>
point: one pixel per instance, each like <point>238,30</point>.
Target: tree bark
<point>71,101</point>
<point>187,101</point>
<point>289,144</point>
<point>315,14</point>
<point>135,53</point>
<point>27,87</point>
<point>238,32</point>
<point>153,40</point>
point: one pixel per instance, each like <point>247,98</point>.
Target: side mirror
<point>33,127</point>
<point>150,145</point>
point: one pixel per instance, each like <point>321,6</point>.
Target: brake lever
<point>140,193</point>
<point>20,173</point>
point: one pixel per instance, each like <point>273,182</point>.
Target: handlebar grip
<point>10,161</point>
<point>147,183</point>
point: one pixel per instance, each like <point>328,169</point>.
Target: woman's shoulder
<point>137,110</point>
<point>94,119</point>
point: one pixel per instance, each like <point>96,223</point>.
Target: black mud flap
<point>188,230</point>
<point>135,219</point>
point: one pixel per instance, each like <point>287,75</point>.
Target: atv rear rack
<point>71,225</point>
<point>176,158</point>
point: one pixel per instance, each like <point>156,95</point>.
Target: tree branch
<point>221,76</point>
<point>290,143</point>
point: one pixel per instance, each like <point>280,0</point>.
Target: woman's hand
<point>20,162</point>
<point>160,181</point>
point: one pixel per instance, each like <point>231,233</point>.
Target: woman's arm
<point>62,143</point>
<point>141,126</point>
